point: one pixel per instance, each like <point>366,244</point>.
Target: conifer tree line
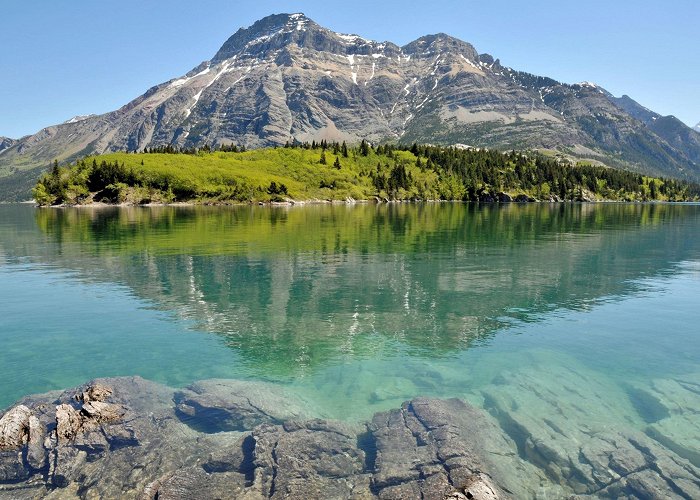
<point>388,171</point>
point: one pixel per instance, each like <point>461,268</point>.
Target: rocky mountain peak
<point>490,62</point>
<point>434,44</point>
<point>281,31</point>
<point>276,29</point>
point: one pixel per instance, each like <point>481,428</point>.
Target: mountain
<point>286,77</point>
<point>697,127</point>
<point>79,118</point>
<point>6,142</point>
<point>669,128</point>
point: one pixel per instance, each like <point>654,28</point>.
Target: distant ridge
<point>285,77</point>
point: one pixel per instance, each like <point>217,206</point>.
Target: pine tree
<point>322,161</point>
<point>364,148</point>
<point>344,149</point>
<point>336,163</point>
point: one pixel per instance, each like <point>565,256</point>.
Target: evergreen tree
<point>336,163</point>
<point>364,148</point>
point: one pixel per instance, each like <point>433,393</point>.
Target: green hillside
<point>337,172</point>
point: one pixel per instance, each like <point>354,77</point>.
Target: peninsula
<point>335,171</point>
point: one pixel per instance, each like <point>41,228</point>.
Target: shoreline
<point>293,203</point>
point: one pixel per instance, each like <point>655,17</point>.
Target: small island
<point>332,171</point>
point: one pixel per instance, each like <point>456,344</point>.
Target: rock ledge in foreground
<point>127,437</point>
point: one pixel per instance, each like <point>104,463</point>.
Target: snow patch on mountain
<point>79,118</point>
<point>353,39</point>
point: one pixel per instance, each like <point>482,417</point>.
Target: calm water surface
<point>357,308</point>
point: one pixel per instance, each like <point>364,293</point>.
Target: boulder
<point>95,392</point>
<point>14,428</point>
<point>503,197</point>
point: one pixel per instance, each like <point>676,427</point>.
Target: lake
<point>591,310</point>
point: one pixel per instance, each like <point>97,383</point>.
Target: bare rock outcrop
<point>14,428</point>
<point>130,438</point>
<point>126,437</point>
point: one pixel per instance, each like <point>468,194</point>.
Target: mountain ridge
<point>286,77</point>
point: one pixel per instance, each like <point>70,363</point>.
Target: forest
<point>337,171</point>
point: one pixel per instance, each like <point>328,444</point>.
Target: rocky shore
<point>131,438</point>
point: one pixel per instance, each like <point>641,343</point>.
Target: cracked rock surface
<point>130,438</point>
<point>563,422</point>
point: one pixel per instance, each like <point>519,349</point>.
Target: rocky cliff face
<point>6,142</point>
<point>286,78</point>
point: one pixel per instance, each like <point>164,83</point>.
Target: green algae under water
<point>358,308</point>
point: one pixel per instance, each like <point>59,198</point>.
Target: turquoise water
<point>356,308</point>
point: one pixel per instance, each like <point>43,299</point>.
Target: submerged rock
<point>430,449</point>
<point>564,423</point>
<point>233,405</point>
<point>130,438</point>
<point>671,408</point>
<point>126,437</point>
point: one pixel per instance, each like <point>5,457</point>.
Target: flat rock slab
<point>130,438</point>
<point>543,437</point>
<point>233,405</point>
<point>562,421</point>
<point>672,409</point>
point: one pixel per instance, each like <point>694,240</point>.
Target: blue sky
<point>59,59</point>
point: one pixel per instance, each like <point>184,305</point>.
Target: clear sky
<point>61,58</point>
